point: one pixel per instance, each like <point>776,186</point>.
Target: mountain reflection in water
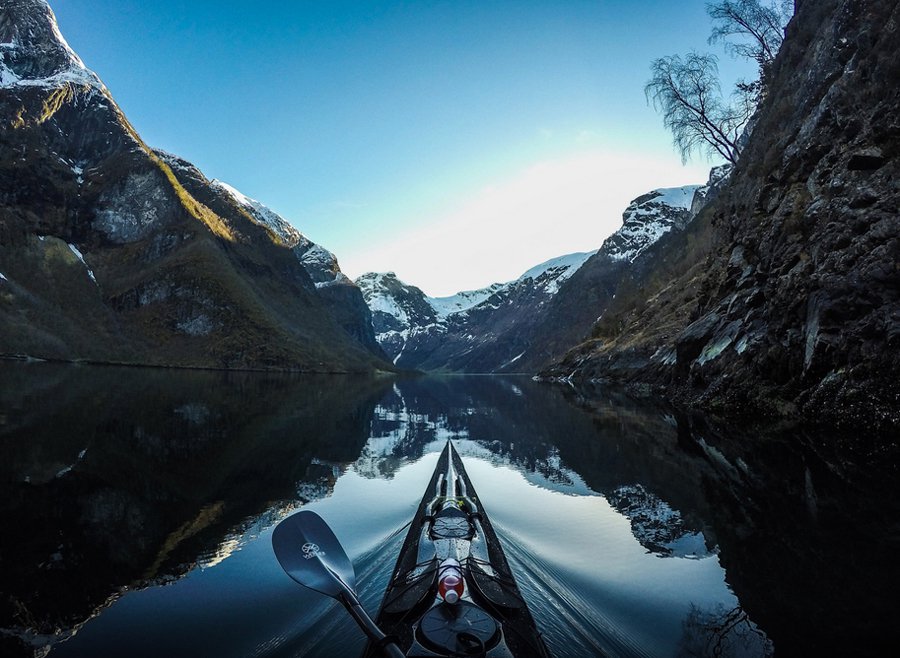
<point>138,506</point>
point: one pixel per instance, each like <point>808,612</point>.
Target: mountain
<point>523,325</point>
<point>783,297</point>
<point>336,290</point>
<point>398,311</point>
<point>465,331</point>
<point>113,252</point>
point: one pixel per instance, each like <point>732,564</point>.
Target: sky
<point>456,143</point>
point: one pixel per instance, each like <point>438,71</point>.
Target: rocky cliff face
<point>523,325</point>
<point>110,251</point>
<point>785,297</point>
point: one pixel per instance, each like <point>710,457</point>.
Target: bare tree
<point>722,632</point>
<point>750,28</point>
<point>686,91</point>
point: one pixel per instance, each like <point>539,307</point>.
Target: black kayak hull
<point>493,619</point>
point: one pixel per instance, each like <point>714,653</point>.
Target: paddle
<point>309,553</point>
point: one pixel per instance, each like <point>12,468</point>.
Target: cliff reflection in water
<point>118,477</point>
<point>114,478</point>
<point>805,521</point>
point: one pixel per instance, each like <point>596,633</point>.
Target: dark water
<point>138,505</point>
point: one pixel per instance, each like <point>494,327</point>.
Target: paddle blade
<point>309,553</point>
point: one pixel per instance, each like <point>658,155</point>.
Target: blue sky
<point>455,143</point>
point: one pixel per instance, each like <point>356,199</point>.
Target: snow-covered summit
<point>34,53</point>
<point>461,301</point>
<point>648,218</point>
<point>550,274</point>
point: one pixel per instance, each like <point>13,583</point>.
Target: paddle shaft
<point>368,626</point>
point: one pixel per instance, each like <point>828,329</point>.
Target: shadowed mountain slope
<point>110,251</point>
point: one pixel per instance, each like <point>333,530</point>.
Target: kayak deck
<point>492,619</point>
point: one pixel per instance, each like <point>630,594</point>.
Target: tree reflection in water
<point>723,633</point>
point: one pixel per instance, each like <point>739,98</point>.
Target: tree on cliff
<point>750,29</point>
<point>687,90</point>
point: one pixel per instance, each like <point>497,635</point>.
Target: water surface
<point>142,502</point>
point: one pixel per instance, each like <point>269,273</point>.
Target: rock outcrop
<point>784,296</point>
<point>110,251</point>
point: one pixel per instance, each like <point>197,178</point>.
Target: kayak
<point>452,592</point>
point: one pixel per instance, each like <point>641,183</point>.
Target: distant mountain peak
<point>411,326</point>
<point>34,53</point>
<point>553,272</point>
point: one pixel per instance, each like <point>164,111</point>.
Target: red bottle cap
<point>450,588</point>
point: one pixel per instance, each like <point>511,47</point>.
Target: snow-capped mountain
<point>400,313</point>
<point>112,251</point>
<point>33,52</point>
<point>418,331</point>
<point>648,218</point>
<point>525,324</point>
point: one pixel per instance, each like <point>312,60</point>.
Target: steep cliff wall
<point>787,288</point>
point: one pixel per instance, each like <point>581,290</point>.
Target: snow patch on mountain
<point>648,218</point>
<point>262,214</point>
<point>34,53</point>
<point>553,272</point>
<point>461,301</point>
<point>677,197</point>
<point>383,303</point>
<point>80,257</point>
<point>321,264</point>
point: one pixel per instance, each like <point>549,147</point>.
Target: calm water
<point>138,507</point>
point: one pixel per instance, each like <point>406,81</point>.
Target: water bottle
<point>450,581</point>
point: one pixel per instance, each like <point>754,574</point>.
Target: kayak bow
<point>452,592</point>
